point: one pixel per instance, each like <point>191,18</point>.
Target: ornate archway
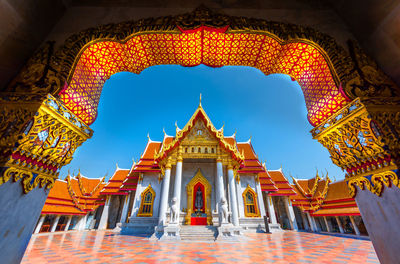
<point>353,105</point>
<point>198,182</point>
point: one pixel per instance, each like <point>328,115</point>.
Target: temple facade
<point>199,177</point>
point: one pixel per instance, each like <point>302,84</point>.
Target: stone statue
<point>198,203</point>
<point>174,211</point>
<point>224,211</point>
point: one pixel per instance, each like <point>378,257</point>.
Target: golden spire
<point>200,101</point>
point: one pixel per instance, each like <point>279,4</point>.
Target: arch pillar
<point>364,140</point>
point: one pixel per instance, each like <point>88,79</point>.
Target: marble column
<point>290,214</point>
<point>178,182</point>
<point>220,183</point>
<point>39,225</point>
<point>232,192</point>
<point>124,213</point>
<point>82,223</point>
<point>328,228</point>
<point>240,203</point>
<point>305,221</point>
<point>54,224</point>
<point>310,220</point>
<point>355,227</point>
<point>104,215</point>
<point>164,195</point>
<point>339,224</point>
<point>271,210</point>
<point>260,198</point>
<point>68,223</point>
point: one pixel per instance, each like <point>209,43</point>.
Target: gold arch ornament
<point>189,190</point>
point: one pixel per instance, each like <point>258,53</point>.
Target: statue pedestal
<point>171,232</point>
<point>227,231</point>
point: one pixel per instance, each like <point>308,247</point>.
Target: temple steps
<point>198,233</point>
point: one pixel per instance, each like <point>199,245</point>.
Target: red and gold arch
<point>303,60</point>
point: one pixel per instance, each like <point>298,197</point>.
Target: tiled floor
<point>286,247</point>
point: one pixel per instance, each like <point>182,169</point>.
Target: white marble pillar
<point>164,195</point>
<point>271,210</point>
<point>315,224</point>
<point>310,220</point>
<point>40,223</point>
<point>178,182</point>
<point>328,228</point>
<point>82,223</point>
<point>232,192</point>
<point>290,214</point>
<point>240,201</point>
<point>124,213</point>
<point>104,215</point>
<point>220,180</point>
<point>305,221</point>
<point>339,224</point>
<point>355,227</point>
<point>260,198</point>
<point>68,223</point>
<point>54,224</point>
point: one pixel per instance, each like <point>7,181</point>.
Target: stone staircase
<point>198,233</point>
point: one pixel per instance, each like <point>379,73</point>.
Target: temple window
<point>186,150</point>
<point>212,150</point>
<point>250,203</point>
<point>199,150</point>
<point>205,150</point>
<point>146,205</point>
<point>192,150</point>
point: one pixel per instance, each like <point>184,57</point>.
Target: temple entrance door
<point>198,199</point>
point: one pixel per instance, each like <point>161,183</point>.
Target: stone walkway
<point>285,247</point>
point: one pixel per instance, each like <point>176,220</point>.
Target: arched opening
<point>146,203</point>
<point>305,61</point>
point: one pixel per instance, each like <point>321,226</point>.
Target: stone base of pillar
<point>229,232</point>
<point>171,232</point>
<point>273,228</point>
<point>139,226</point>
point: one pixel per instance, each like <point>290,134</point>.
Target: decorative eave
<point>199,113</point>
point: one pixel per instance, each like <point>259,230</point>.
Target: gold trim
<point>254,194</point>
<point>190,196</point>
<point>142,195</point>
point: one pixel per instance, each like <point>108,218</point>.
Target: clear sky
<point>269,109</point>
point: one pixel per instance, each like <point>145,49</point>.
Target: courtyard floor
<point>285,247</point>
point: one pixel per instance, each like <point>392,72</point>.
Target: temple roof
<point>74,196</point>
<point>320,197</point>
<point>225,142</point>
<point>281,183</point>
<point>115,183</point>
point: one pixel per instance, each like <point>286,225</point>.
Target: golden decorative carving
<point>374,183</point>
<point>28,179</point>
<point>363,139</point>
<point>46,143</point>
<point>190,196</point>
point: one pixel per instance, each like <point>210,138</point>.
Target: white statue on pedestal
<point>174,211</point>
<point>224,211</point>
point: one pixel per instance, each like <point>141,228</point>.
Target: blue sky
<point>269,109</point>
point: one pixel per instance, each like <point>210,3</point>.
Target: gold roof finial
<point>163,130</point>
<point>116,164</point>
<point>148,137</point>
<point>200,101</point>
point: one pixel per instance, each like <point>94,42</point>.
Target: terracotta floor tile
<point>95,247</point>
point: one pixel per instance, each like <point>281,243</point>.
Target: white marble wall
<point>246,179</point>
<point>148,178</point>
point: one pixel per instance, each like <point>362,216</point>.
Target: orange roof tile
<point>115,183</point>
<point>284,188</point>
<point>337,212</point>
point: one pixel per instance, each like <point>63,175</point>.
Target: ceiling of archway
<point>209,46</point>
